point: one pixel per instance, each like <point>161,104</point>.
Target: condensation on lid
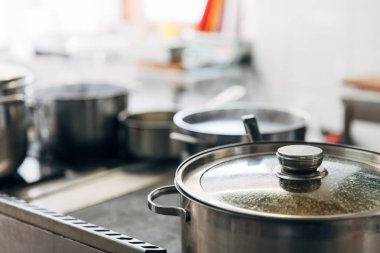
<point>247,184</point>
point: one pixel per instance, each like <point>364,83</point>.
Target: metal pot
<point>277,197</point>
<point>74,121</point>
<point>14,79</point>
<point>203,127</point>
<point>146,134</point>
<point>13,133</point>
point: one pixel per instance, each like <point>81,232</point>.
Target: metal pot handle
<point>166,210</point>
<point>252,128</point>
<point>184,138</point>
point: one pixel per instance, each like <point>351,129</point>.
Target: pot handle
<point>166,210</point>
<point>252,128</point>
<point>184,138</point>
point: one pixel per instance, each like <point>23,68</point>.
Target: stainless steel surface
<point>13,133</point>
<point>251,127</point>
<point>147,134</point>
<point>216,231</point>
<point>184,138</point>
<point>166,210</point>
<point>223,125</point>
<point>79,120</point>
<point>300,159</point>
<point>234,198</point>
<point>14,79</point>
<point>41,230</point>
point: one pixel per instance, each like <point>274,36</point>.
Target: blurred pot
<point>14,79</point>
<point>13,133</point>
<point>207,127</point>
<point>146,135</point>
<point>73,121</point>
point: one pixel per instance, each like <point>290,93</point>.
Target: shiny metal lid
<point>276,179</point>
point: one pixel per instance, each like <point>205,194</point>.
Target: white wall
<point>305,49</point>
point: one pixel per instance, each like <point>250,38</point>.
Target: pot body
<point>73,128</point>
<point>188,148</point>
<point>212,127</point>
<point>146,135</point>
<point>234,200</point>
<point>13,133</point>
<point>210,230</point>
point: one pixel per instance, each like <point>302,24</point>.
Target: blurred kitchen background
<point>318,56</point>
<point>289,53</point>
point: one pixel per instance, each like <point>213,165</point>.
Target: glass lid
<point>280,179</point>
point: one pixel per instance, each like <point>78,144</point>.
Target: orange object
<point>333,138</point>
<point>212,17</point>
<point>202,24</point>
<point>372,83</point>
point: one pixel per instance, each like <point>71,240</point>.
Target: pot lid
<point>80,91</point>
<point>226,120</point>
<point>283,179</point>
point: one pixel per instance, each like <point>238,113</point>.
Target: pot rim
<point>128,120</point>
<point>188,127</point>
<point>122,92</point>
<point>262,215</point>
<point>14,98</point>
<point>20,73</point>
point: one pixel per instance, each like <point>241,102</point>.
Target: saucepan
<point>79,120</point>
<point>146,134</point>
<point>201,128</point>
<point>277,197</point>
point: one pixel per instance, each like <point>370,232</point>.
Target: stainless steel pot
<point>74,121</point>
<point>14,79</point>
<point>204,127</point>
<point>146,134</point>
<point>277,197</point>
<point>13,133</point>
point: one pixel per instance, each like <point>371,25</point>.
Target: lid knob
<point>300,159</point>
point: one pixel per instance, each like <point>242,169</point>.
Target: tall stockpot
<point>277,197</point>
<point>78,120</point>
<point>201,128</point>
<point>13,133</point>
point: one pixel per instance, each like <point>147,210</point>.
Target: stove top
<point>64,187</point>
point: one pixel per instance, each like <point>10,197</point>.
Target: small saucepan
<point>201,128</point>
<point>146,135</point>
